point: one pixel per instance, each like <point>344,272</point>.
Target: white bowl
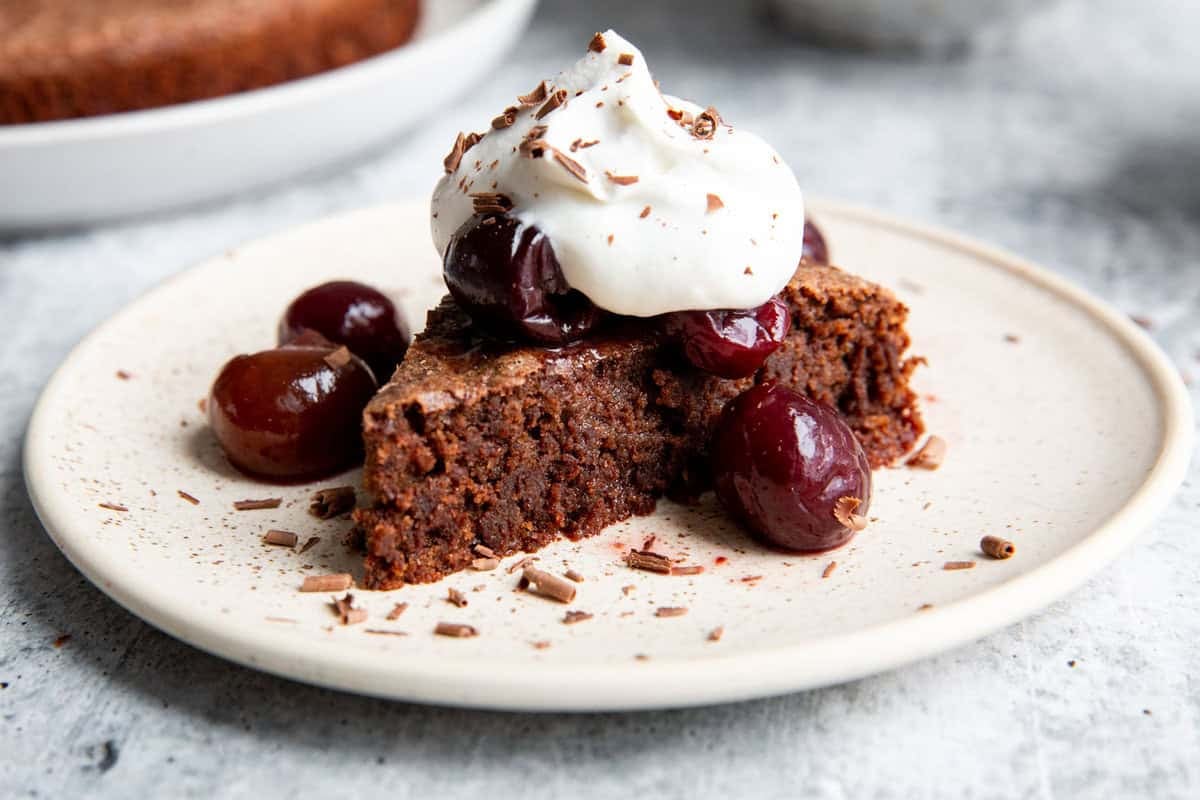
<point>87,170</point>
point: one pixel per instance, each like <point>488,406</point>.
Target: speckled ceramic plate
<point>1067,429</point>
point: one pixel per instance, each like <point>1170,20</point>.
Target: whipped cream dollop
<point>652,203</point>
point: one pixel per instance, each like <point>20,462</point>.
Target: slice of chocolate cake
<point>476,442</point>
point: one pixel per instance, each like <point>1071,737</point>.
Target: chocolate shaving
<point>483,551</point>
<point>648,542</point>
<point>580,144</point>
<point>750,578</point>
<point>382,632</point>
<point>463,143</point>
<point>573,575</point>
<point>257,505</point>
<point>396,611</point>
<point>550,586</point>
<point>571,617</point>
<point>597,44</point>
<point>330,503</point>
<point>625,59</point>
<point>506,119</point>
<point>112,506</point>
<point>996,547</point>
<point>310,544</point>
<point>281,538</point>
<point>485,564</point>
<point>534,148</point>
<point>829,568</point>
<point>714,203</point>
<point>628,590</point>
<point>524,562</point>
<point>61,640</point>
<point>924,606</point>
<point>552,102</point>
<point>346,612</point>
<point>538,95</point>
<point>123,375</point>
<point>705,124</point>
<point>953,565</point>
<point>336,582</point>
<point>455,630</point>
<point>715,634</point>
<point>456,597</point>
<point>571,165</point>
<point>931,454</point>
<point>843,512</point>
<point>624,180</point>
<point>491,202</point>
<point>694,569</point>
<point>651,562</point>
<point>542,645</point>
<point>338,358</point>
<point>190,498</point>
<point>1012,338</point>
<point>671,611</point>
<point>684,118</point>
<point>645,213</point>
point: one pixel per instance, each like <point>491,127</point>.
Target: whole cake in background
<point>79,58</point>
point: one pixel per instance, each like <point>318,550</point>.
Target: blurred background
<point>1063,130</point>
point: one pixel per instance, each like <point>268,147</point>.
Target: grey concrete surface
<point>1072,139</point>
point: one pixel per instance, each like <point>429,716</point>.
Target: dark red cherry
<point>731,344</point>
<point>293,413</point>
<point>353,314</point>
<point>790,469</point>
<point>506,276</point>
<point>815,249</point>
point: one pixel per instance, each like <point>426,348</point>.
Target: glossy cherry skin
<point>780,464</point>
<point>815,250</point>
<point>730,344</point>
<point>506,276</point>
<point>289,414</point>
<point>353,314</point>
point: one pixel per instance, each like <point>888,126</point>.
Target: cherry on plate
<point>293,413</point>
<point>815,250</point>
<point>730,344</point>
<point>790,469</point>
<point>506,276</point>
<point>353,314</point>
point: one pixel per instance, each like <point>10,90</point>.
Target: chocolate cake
<point>509,446</point>
<point>79,58</point>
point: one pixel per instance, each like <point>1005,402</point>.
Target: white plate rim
<point>664,682</point>
<point>254,101</point>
